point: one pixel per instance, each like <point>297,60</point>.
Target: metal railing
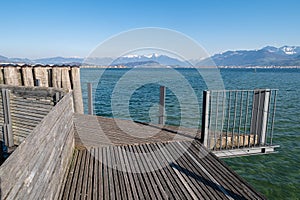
<point>238,119</point>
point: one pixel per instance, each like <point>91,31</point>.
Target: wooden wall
<point>35,170</point>
<point>66,77</point>
<point>28,106</point>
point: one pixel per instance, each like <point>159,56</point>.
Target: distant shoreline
<point>146,67</point>
<point>219,67</point>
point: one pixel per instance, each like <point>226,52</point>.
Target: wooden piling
<point>27,76</point>
<point>65,77</point>
<point>1,75</point>
<point>56,77</point>
<point>75,78</point>
<point>11,76</point>
<point>41,74</point>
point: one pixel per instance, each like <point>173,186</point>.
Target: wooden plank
<point>101,174</point>
<point>203,190</point>
<point>92,173</point>
<point>68,184</point>
<point>114,167</point>
<point>131,192</point>
<point>120,174</point>
<point>134,179</point>
<point>179,177</point>
<point>79,187</point>
<point>75,179</point>
<point>96,182</point>
<point>86,174</point>
<point>157,190</point>
<point>159,176</point>
<point>226,176</point>
<point>105,177</point>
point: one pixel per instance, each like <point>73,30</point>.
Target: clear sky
<point>46,28</point>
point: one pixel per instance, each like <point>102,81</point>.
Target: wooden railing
<point>35,170</point>
<point>22,109</point>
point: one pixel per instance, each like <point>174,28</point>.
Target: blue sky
<point>43,28</point>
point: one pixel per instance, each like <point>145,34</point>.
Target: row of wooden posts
<point>66,77</point>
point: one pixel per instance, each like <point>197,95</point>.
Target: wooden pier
<point>59,153</point>
<point>67,157</point>
<point>108,170</point>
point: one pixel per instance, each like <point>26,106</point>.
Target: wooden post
<point>66,83</point>
<point>56,98</point>
<point>1,75</point>
<point>27,76</point>
<point>75,78</point>
<point>11,76</point>
<point>162,94</point>
<point>41,73</point>
<point>7,126</point>
<point>90,99</point>
<point>56,77</point>
<point>205,118</point>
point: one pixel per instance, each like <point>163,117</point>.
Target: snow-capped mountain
<point>161,59</point>
<point>267,56</point>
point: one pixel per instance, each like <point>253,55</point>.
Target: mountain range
<point>267,56</point>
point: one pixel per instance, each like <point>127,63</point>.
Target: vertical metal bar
<point>268,117</point>
<point>240,122</point>
<point>90,98</point>
<point>251,131</point>
<point>246,118</point>
<point>205,118</point>
<point>234,118</point>
<point>228,119</point>
<point>265,111</point>
<point>210,119</point>
<point>223,115</point>
<point>216,120</point>
<point>257,119</point>
<point>162,94</point>
<point>273,117</point>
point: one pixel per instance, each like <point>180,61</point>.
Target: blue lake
<point>134,95</point>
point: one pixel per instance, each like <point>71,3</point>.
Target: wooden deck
<point>92,131</point>
<point>157,167</point>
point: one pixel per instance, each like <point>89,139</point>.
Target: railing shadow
<point>170,130</point>
<point>207,182</point>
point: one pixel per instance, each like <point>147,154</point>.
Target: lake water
<point>134,94</point>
